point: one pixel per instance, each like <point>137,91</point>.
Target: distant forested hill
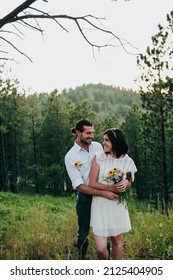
<point>105,100</point>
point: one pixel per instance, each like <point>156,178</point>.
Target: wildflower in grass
<point>77,164</point>
<point>59,256</point>
<point>53,240</point>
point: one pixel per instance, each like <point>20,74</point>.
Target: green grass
<point>45,227</point>
<point>151,236</point>
<point>36,227</point>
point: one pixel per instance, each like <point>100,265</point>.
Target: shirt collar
<point>79,148</point>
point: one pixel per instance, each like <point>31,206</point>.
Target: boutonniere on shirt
<point>77,164</point>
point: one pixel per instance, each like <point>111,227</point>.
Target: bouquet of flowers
<point>114,176</point>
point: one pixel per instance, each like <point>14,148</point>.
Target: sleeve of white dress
<point>99,157</point>
<point>132,169</point>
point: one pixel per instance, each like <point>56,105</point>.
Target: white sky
<point>65,60</point>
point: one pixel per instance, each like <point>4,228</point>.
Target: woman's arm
<point>96,192</point>
<point>93,183</point>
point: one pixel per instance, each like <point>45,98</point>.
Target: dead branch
<point>25,12</point>
<point>8,42</point>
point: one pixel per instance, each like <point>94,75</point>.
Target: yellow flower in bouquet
<point>114,176</point>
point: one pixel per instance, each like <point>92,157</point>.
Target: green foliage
<point>34,227</point>
<point>152,232</point>
<point>105,100</point>
<point>45,227</point>
<point>35,130</point>
<point>157,100</point>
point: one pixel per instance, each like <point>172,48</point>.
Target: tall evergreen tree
<point>54,131</point>
<point>157,98</point>
<point>132,126</point>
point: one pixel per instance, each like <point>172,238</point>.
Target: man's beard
<point>84,141</point>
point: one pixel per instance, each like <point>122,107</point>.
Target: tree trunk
<point>4,178</point>
<point>35,155</point>
<point>164,166</point>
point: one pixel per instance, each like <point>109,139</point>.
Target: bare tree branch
<point>17,29</point>
<point>15,12</point>
<point>7,41</point>
<point>3,51</point>
<point>11,32</point>
<point>49,16</point>
<point>25,12</point>
<point>32,26</point>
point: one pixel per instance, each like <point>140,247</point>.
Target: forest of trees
<point>35,136</point>
<point>105,100</point>
<point>35,129</point>
<point>35,133</point>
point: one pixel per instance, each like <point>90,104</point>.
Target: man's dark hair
<point>80,126</point>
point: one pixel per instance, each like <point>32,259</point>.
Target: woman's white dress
<point>110,217</point>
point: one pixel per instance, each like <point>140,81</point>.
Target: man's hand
<point>109,195</point>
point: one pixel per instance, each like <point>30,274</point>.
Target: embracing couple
<point>99,175</point>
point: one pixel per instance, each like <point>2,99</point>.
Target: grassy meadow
<point>44,228</point>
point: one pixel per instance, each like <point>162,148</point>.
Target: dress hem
<point>111,235</point>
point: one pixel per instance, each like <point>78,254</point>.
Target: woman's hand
<point>121,186</point>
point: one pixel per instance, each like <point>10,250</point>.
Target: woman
<point>111,218</point>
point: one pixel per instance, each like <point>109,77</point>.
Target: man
<point>78,163</point>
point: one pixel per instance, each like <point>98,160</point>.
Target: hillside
<point>105,100</point>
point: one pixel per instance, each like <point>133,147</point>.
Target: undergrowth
<point>45,227</point>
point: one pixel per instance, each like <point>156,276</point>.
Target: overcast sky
<point>64,60</point>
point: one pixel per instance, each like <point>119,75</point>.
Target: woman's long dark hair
<point>118,140</point>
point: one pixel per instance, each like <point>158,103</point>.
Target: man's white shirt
<point>78,163</point>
